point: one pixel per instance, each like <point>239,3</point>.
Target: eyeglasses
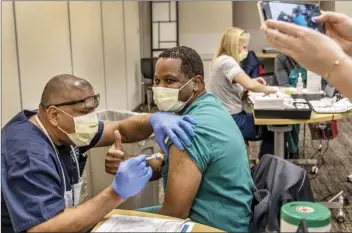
<point>90,102</point>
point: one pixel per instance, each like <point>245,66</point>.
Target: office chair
<point>147,69</point>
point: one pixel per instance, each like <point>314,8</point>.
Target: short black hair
<point>60,87</point>
<point>191,63</point>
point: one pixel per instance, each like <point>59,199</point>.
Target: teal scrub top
<point>225,194</point>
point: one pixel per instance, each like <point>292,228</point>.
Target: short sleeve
<point>95,140</point>
<point>228,67</point>
<point>199,152</point>
<point>32,191</point>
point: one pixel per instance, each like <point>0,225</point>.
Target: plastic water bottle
<point>299,84</point>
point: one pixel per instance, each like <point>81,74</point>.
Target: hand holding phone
<point>298,13</point>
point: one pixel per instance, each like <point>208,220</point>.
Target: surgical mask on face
<point>167,99</point>
<point>86,127</point>
<point>243,55</point>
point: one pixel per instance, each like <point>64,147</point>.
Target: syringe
<point>156,156</point>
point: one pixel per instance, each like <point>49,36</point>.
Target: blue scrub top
<point>32,189</point>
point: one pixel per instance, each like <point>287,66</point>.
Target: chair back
<point>148,67</point>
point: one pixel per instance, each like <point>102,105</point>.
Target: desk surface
<point>315,118</point>
<point>197,227</point>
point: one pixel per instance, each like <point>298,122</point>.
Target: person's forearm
<point>81,217</point>
<point>257,87</point>
<point>180,213</point>
<point>341,78</point>
<point>135,128</point>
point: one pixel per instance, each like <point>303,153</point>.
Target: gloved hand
<point>131,177</point>
<point>174,127</point>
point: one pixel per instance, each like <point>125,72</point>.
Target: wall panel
<point>87,45</point>
<point>115,63</point>
<point>133,53</point>
<point>10,90</point>
<point>44,48</point>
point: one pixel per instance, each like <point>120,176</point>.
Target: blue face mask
<point>293,77</point>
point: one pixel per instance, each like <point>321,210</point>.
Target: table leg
<point>304,141</point>
<point>279,141</point>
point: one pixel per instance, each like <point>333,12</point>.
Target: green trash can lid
<point>316,215</point>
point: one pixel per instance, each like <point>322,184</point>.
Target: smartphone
<point>297,13</point>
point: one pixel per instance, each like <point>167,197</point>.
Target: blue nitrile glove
<point>173,126</point>
<point>132,176</point>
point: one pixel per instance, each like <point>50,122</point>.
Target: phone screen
<point>297,13</point>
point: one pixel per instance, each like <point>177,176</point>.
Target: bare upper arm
<point>183,181</point>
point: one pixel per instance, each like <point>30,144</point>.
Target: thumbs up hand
<point>115,155</point>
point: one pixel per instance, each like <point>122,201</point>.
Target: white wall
<point>132,45</point>
<point>246,16</point>
<point>10,92</point>
<point>114,50</point>
<point>43,45</point>
<point>87,45</point>
<point>105,50</point>
<point>344,7</point>
<point>201,24</point>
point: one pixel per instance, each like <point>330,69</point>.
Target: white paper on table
<point>325,105</point>
<point>124,223</point>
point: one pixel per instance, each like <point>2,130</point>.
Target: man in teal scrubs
<point>210,182</point>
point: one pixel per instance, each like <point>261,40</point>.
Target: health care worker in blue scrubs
<point>42,159</point>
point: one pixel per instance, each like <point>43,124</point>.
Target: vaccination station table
<point>280,126</point>
<point>196,228</point>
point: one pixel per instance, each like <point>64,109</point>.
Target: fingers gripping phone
<point>297,13</point>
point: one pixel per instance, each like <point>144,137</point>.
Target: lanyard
<point>57,153</point>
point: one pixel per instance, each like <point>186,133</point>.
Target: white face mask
<point>243,55</point>
<point>86,127</point>
<point>167,98</point>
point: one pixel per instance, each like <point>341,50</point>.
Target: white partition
<point>207,58</point>
<point>201,23</point>
<point>95,40</point>
<point>44,48</point>
<point>10,91</point>
<point>133,53</point>
<point>87,45</point>
<point>344,7</point>
<point>114,51</point>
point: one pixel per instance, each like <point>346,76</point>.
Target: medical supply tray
<point>294,114</point>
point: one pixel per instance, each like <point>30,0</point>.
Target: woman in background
<point>229,82</point>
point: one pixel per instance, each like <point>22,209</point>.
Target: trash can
<point>95,179</point>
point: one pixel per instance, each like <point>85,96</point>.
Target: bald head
<point>63,88</point>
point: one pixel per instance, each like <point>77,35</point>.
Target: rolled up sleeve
<point>32,191</point>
